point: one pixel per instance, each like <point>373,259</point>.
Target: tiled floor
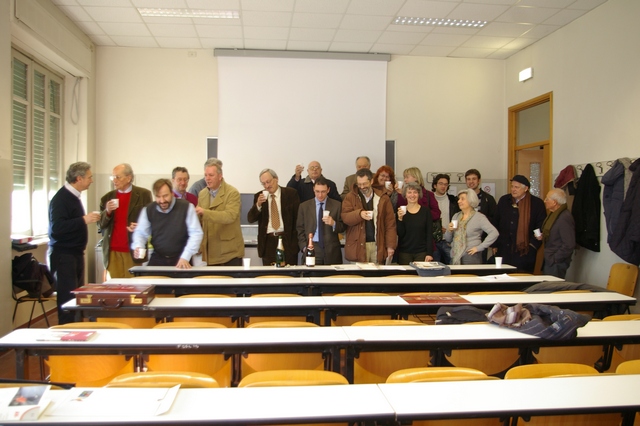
<point>8,359</point>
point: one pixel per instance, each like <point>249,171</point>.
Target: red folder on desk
<point>436,299</point>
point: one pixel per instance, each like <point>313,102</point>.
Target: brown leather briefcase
<point>114,295</point>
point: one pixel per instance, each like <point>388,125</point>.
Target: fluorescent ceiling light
<point>189,13</point>
<point>439,22</point>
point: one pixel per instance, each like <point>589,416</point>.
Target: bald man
<point>305,186</point>
<point>558,235</point>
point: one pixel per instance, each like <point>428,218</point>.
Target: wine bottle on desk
<point>310,253</point>
<point>280,262</point>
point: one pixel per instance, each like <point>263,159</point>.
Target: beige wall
<point>592,68</point>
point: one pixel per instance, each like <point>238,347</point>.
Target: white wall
<point>592,67</point>
<point>155,109</point>
<point>448,115</point>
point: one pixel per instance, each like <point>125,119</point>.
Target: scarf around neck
<point>550,220</point>
<point>524,217</point>
<point>459,244</point>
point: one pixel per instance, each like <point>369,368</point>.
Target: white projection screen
<point>279,112</point>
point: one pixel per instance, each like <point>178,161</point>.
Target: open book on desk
<point>23,403</point>
<point>67,335</point>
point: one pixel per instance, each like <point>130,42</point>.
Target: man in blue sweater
<point>68,235</point>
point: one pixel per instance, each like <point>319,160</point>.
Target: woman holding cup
<point>415,232</point>
<point>465,231</point>
<point>385,181</point>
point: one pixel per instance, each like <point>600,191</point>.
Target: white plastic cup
<point>116,203</point>
<point>370,214</point>
<point>537,232</point>
<point>404,209</point>
<point>498,261</point>
<point>96,212</point>
<point>387,184</point>
<point>246,262</point>
<point>265,194</point>
<point>325,213</point>
<point>455,223</point>
<point>142,252</point>
<point>400,184</point>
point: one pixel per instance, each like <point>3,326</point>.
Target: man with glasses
<point>370,221</point>
<point>180,181</point>
<point>120,209</point>
<point>305,186</point>
<point>276,216</point>
<point>68,235</point>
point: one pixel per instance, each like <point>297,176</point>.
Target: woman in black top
<point>415,233</point>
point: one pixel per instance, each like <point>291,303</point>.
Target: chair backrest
<point>278,324</point>
<point>623,317</point>
<point>292,378</point>
<point>433,374</point>
<point>384,322</point>
<point>623,278</point>
<point>133,322</point>
<point>189,324</point>
<point>275,295</point>
<point>92,325</point>
<point>549,370</point>
<point>163,379</point>
<point>629,367</point>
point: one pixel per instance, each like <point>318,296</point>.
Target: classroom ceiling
<point>362,26</point>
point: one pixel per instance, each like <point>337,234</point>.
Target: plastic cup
<point>116,203</point>
<point>498,261</point>
<point>142,252</point>
<point>400,184</point>
<point>265,193</point>
<point>246,262</point>
<point>370,214</point>
<point>455,223</point>
<point>404,209</point>
<point>387,184</point>
<point>537,232</point>
<point>325,213</point>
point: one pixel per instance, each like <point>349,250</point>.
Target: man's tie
<point>320,226</point>
<point>275,217</point>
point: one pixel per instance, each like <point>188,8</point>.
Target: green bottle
<point>280,262</point>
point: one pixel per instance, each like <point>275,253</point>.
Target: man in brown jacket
<point>370,221</point>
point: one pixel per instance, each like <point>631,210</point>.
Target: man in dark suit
<point>120,209</point>
<point>325,237</point>
<point>276,216</point>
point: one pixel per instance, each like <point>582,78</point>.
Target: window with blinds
<point>36,144</point>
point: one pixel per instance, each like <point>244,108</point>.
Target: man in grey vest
<point>174,228</point>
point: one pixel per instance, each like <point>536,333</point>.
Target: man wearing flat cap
<point>517,215</point>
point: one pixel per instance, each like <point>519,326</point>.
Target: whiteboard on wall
<point>279,112</point>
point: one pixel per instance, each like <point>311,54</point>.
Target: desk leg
<point>20,364</point>
<point>349,360</point>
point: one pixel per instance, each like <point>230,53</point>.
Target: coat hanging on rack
<point>616,182</point>
<point>626,236</point>
<point>586,210</point>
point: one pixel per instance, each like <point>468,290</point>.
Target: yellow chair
<point>213,365</point>
<point>375,367</point>
<point>292,378</point>
<point>588,355</point>
<point>627,352</point>
<point>257,319</point>
<point>623,278</point>
<point>561,370</point>
<point>254,362</point>
<point>436,374</point>
<point>443,374</point>
<point>88,370</point>
<point>133,322</point>
<point>163,379</point>
<point>346,320</point>
<point>629,367</point>
<point>226,321</point>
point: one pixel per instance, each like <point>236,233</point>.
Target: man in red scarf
<point>518,214</point>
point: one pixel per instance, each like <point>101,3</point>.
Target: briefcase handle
<point>104,304</point>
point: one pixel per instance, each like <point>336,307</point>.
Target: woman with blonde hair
<point>466,238</point>
<point>414,226</point>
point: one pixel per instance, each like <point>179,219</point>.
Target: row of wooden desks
<point>382,404</point>
<point>301,271</point>
<point>317,308</point>
<point>333,342</point>
<point>317,286</point>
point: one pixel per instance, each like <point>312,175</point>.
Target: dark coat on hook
<point>586,210</point>
<point>626,236</point>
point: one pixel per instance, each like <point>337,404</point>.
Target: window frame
<point>32,207</point>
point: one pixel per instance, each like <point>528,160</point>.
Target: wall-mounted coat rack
<point>600,167</point>
<point>454,177</point>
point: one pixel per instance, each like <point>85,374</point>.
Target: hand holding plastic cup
<point>265,194</point>
<point>498,261</point>
<point>141,253</point>
<point>400,184</point>
<point>404,209</point>
<point>369,214</point>
<point>537,233</point>
<point>387,184</point>
<point>325,213</point>
<point>454,223</point>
